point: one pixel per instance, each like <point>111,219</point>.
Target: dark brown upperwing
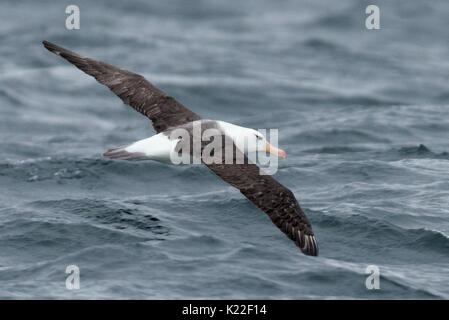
<point>273,198</point>
<point>134,90</point>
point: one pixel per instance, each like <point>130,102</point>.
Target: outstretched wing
<point>134,90</point>
<point>273,198</point>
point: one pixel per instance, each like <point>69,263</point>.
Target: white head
<point>250,140</point>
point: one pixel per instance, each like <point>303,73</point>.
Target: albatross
<point>167,115</point>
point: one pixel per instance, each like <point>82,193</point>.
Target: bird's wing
<point>273,198</point>
<point>134,90</point>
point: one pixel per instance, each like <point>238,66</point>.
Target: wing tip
<point>60,51</point>
<point>308,244</point>
<point>51,47</point>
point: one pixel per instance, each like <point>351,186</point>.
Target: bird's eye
<point>258,137</point>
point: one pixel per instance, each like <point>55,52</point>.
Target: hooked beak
<point>275,151</point>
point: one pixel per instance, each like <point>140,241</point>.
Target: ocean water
<point>363,115</point>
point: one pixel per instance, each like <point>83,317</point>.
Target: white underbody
<point>158,147</point>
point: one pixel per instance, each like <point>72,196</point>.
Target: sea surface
<point>363,115</point>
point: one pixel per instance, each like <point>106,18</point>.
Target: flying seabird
<point>167,115</point>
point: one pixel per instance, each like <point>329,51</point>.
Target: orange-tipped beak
<point>275,151</point>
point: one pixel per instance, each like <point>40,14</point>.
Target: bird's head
<point>250,140</point>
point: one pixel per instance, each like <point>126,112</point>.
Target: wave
<point>380,236</point>
<point>11,97</point>
<point>107,213</point>
<point>397,153</point>
<point>337,136</point>
<point>337,149</point>
<point>420,151</point>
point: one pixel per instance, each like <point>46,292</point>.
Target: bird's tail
<point>122,154</point>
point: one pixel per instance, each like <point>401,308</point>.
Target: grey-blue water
<point>363,115</point>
